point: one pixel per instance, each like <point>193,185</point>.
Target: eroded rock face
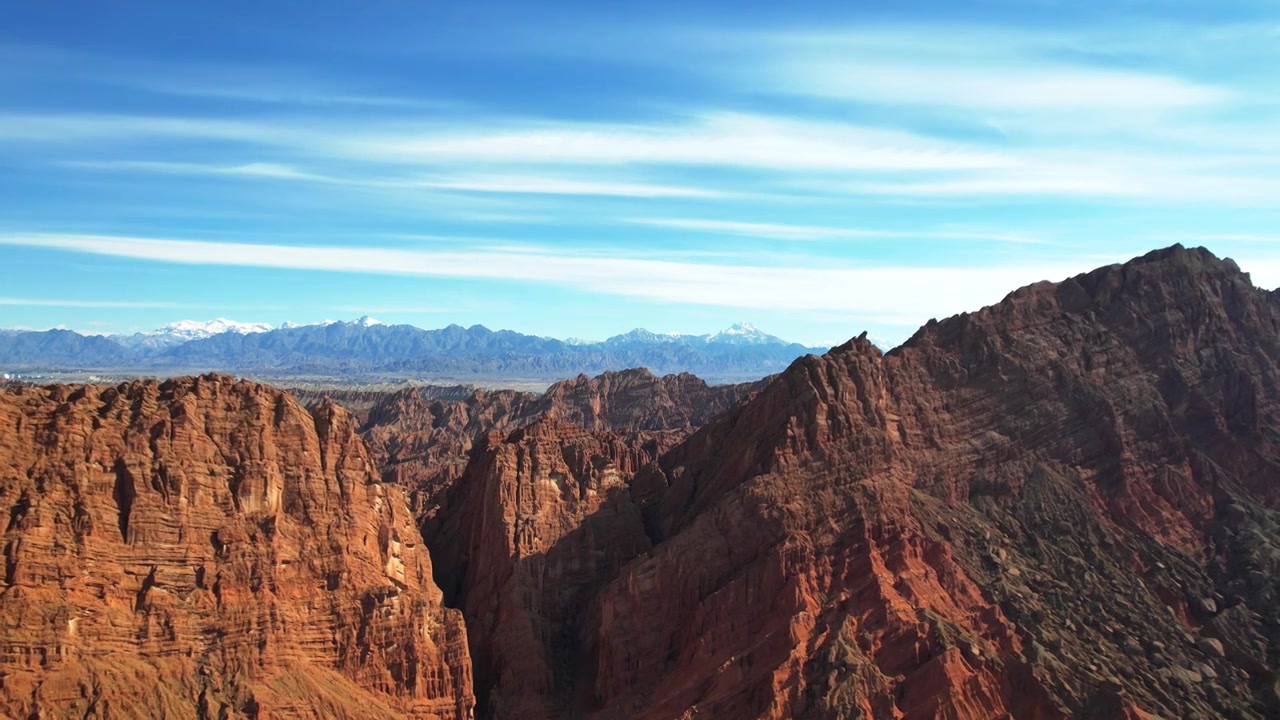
<point>1037,510</point>
<point>639,401</point>
<point>543,518</point>
<point>422,443</point>
<point>422,438</point>
<point>207,548</point>
<point>547,509</point>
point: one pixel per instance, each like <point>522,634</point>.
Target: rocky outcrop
<point>422,438</point>
<point>204,547</point>
<point>639,401</point>
<point>1063,505</point>
<point>422,442</point>
<point>1041,509</point>
<point>361,401</point>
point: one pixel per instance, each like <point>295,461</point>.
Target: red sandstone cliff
<point>422,441</point>
<point>208,548</point>
<point>1064,505</point>
<point>542,515</point>
<point>1037,510</point>
<point>639,401</point>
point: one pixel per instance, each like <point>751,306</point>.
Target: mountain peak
<point>205,328</point>
<point>182,331</point>
<point>745,334</point>
<point>644,336</point>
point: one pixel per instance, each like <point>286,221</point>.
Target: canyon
<point>1064,505</point>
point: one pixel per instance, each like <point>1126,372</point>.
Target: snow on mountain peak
<point>362,321</point>
<point>177,333</point>
<point>744,334</point>
<point>640,335</point>
<point>192,329</point>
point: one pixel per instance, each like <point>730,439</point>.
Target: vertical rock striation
<point>204,547</point>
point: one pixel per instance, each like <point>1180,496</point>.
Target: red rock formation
<point>208,548</point>
<point>422,443</point>
<point>1007,516</point>
<point>544,517</point>
<point>637,400</point>
<point>1032,512</point>
<point>422,439</point>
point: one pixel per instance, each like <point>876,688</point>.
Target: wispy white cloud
<point>54,302</point>
<point>265,83</point>
<point>915,293</point>
<point>980,111</point>
<point>77,128</point>
<point>974,68</point>
<point>997,87</point>
<point>1127,176</point>
<point>1116,178</point>
<point>785,231</point>
<point>240,85</point>
<point>254,169</point>
<point>715,139</point>
<point>1247,238</point>
<point>720,139</point>
<point>777,231</point>
<point>567,186</point>
<point>501,184</point>
<point>1099,113</point>
<point>823,157</point>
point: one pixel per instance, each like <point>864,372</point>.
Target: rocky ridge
<point>421,438</point>
<point>1063,505</point>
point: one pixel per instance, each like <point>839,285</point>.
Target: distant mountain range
<point>367,346</point>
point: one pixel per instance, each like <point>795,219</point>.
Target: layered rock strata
<point>204,547</point>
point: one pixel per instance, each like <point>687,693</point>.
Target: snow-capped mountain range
<point>369,347</point>
<point>183,331</point>
<point>737,334</point>
<point>186,330</point>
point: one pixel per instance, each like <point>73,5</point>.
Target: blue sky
<point>569,169</point>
